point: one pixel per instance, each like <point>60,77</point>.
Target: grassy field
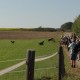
<point>19,49</point>
<point>44,70</point>
<point>39,74</point>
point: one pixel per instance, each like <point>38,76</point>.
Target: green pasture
<point>5,29</point>
<point>44,70</point>
<point>51,73</point>
<point>13,29</point>
<point>19,50</point>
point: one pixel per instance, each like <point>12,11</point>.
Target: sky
<point>35,13</point>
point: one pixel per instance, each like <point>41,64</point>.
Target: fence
<point>31,62</point>
<point>61,70</point>
<point>31,58</point>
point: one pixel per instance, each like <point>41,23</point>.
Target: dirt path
<point>4,71</point>
<point>72,71</point>
<point>68,54</point>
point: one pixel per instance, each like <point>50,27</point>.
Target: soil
<point>26,34</point>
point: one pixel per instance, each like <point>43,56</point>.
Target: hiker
<point>61,41</point>
<point>73,36</point>
<point>64,40</point>
<point>78,49</point>
<point>73,55</point>
<point>75,51</point>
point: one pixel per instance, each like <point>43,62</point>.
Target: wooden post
<point>63,63</point>
<point>30,65</point>
<point>60,64</point>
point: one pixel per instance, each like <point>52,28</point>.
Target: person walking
<point>75,51</point>
<point>78,49</point>
<point>73,55</point>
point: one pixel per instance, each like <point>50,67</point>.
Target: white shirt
<point>71,46</point>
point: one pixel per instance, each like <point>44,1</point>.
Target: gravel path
<point>4,71</point>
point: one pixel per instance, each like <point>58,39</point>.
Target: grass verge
<point>71,73</point>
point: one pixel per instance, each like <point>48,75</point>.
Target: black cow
<point>41,43</point>
<point>51,39</point>
<point>13,42</point>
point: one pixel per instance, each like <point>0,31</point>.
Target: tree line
<point>40,28</point>
<point>67,26</point>
<point>72,26</point>
<point>76,26</point>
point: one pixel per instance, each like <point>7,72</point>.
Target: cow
<point>51,39</point>
<point>41,43</point>
<point>12,42</point>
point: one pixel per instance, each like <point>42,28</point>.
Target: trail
<point>77,61</point>
<point>7,70</point>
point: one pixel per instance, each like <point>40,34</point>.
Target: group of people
<point>72,42</point>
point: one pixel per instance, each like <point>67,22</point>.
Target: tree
<point>66,26</point>
<point>76,25</point>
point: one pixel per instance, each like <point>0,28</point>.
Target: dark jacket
<point>76,48</point>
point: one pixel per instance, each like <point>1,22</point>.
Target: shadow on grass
<point>44,78</point>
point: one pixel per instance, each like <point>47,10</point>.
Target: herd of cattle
<point>50,39</point>
<point>40,43</point>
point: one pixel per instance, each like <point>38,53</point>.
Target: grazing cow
<point>13,42</point>
<point>51,39</point>
<point>41,43</point>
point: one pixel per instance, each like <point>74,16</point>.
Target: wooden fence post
<point>30,65</point>
<point>59,73</point>
<point>61,64</point>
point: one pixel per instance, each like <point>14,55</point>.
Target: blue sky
<point>35,13</point>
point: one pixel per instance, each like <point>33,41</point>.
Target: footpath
<point>7,70</point>
<point>68,54</point>
<point>72,72</point>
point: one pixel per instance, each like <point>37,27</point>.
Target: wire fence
<point>38,69</point>
<point>17,73</point>
<point>21,75</point>
<point>24,58</point>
